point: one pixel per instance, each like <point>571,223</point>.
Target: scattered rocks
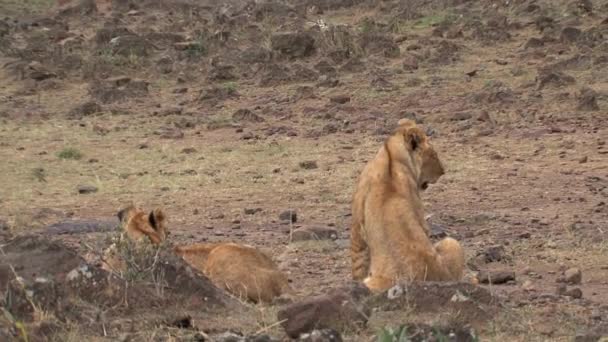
<point>289,216</point>
<point>571,276</point>
<point>570,35</point>
<point>496,277</point>
<point>494,253</point>
<point>118,88</point>
<point>246,115</point>
<point>339,310</point>
<point>323,335</point>
<point>587,100</point>
<point>313,233</point>
<point>293,44</point>
<point>84,109</point>
<point>547,77</point>
<point>87,189</point>
<point>308,165</point>
<point>189,150</point>
<point>575,293</point>
<point>340,99</point>
<point>170,133</point>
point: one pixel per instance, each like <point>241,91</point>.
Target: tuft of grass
<point>388,334</point>
<point>69,153</point>
<point>230,86</point>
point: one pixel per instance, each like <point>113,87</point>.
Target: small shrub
<point>70,153</point>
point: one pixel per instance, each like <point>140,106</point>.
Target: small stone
<point>86,189</point>
<point>497,277</point>
<point>338,310</point>
<point>583,160</point>
<point>289,215</point>
<point>527,285</point>
<point>340,99</point>
<point>561,289</point>
<point>189,150</point>
<point>323,335</point>
<point>252,211</point>
<point>573,276</point>
<point>575,293</point>
<point>314,233</point>
<point>308,164</point>
<point>494,253</point>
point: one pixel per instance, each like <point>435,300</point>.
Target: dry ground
<point>532,176</point>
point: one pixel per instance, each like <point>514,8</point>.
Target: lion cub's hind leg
<point>451,255</point>
<point>359,254</point>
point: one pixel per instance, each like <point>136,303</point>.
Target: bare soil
<point>227,114</point>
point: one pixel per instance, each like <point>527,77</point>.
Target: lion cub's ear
<point>413,137</point>
<point>156,218</point>
<point>124,211</point>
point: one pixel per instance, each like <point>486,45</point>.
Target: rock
<point>534,43</point>
<point>527,285</point>
<point>36,71</point>
<point>587,100</point>
<point>548,77</point>
<point>289,215</point>
<point>339,310</point>
<point>170,133</point>
<point>189,150</point>
<point>245,115</point>
<point>313,233</point>
<point>494,253</point>
<point>84,109</point>
<point>323,335</point>
<point>573,276</point>
<point>575,293</point>
<point>438,231</point>
<point>293,44</point>
<point>341,99</point>
<point>570,35</point>
<point>410,62</point>
<point>308,164</point>
<point>327,82</point>
<point>461,116</point>
<point>86,189</point>
<point>496,277</point>
<point>131,45</point>
<point>118,88</point>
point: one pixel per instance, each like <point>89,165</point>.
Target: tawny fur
<point>389,234</point>
<point>137,225</point>
<point>242,270</point>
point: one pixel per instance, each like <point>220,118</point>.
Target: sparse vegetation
<point>70,153</point>
<point>463,68</point>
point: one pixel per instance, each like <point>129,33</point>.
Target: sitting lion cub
<point>389,234</point>
<point>242,270</point>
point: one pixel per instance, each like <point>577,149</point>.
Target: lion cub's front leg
<point>359,253</point>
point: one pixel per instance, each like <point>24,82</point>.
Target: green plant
<point>70,153</point>
<point>230,86</point>
<point>388,334</point>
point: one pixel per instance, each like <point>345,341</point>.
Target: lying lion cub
<point>137,225</point>
<point>242,270</point>
<point>389,234</point>
<point>239,269</point>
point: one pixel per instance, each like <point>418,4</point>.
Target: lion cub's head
<point>410,145</point>
<point>137,223</point>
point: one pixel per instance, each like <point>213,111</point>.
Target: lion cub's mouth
<point>424,185</point>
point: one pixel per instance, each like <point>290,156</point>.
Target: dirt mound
<point>472,304</point>
<point>54,279</point>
